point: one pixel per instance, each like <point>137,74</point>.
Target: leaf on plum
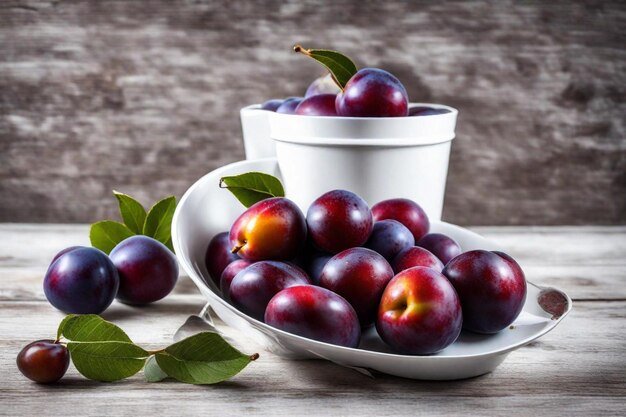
<point>252,187</point>
<point>132,212</point>
<point>105,235</point>
<point>340,66</point>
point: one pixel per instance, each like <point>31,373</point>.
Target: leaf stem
<point>154,352</point>
<point>254,356</point>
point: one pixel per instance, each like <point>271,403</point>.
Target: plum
<point>419,312</point>
<point>148,270</point>
<point>491,287</point>
<point>322,85</point>
<point>443,247</point>
<point>272,229</point>
<point>373,92</point>
<point>415,256</point>
<point>218,256</point>
<point>426,111</point>
<point>253,287</point>
<point>320,105</point>
<point>316,313</point>
<point>289,105</point>
<point>271,105</point>
<point>359,275</point>
<point>390,237</point>
<point>229,273</point>
<point>406,211</point>
<point>81,281</point>
<point>339,220</point>
<point>43,361</point>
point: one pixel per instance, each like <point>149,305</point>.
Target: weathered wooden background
<point>143,96</point>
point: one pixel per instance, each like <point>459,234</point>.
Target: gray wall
<point>143,96</point>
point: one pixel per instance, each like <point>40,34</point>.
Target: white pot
<point>256,132</point>
<point>377,158</point>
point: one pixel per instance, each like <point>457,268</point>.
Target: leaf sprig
<point>252,187</point>
<point>340,66</point>
<point>156,223</point>
<point>102,351</point>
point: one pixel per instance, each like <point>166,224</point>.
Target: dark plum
<point>359,275</point>
<point>443,247</point>
<point>339,220</point>
<point>289,105</point>
<point>219,256</point>
<point>373,92</point>
<point>322,85</point>
<point>415,256</point>
<point>272,105</point>
<point>390,237</point>
<point>406,211</point>
<point>491,287</point>
<point>273,228</point>
<point>253,287</point>
<point>316,313</point>
<point>148,270</point>
<point>64,251</point>
<point>43,361</point>
<point>315,265</point>
<point>81,281</point>
<point>426,111</point>
<point>229,274</point>
<point>319,105</point>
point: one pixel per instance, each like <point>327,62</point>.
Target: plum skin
<point>416,256</point>
<point>373,92</point>
<point>271,105</point>
<point>406,211</point>
<point>289,105</point>
<point>218,256</point>
<point>43,361</point>
<point>229,274</point>
<point>148,270</point>
<point>442,246</point>
<point>272,229</point>
<point>319,105</point>
<point>419,313</point>
<point>253,287</point>
<point>315,313</point>
<point>359,275</point>
<point>339,220</point>
<point>81,281</point>
<point>491,287</point>
<point>322,85</point>
<point>389,237</point>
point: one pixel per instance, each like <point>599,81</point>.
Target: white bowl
<point>206,210</point>
<point>376,157</point>
<point>255,126</point>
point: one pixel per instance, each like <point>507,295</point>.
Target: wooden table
<point>578,369</point>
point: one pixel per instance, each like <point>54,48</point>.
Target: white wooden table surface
<point>579,369</point>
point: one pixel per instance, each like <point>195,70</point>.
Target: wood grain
<point>143,96</point>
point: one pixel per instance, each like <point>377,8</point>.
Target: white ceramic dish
<point>206,210</point>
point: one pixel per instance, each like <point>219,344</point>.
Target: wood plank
<point>585,262</point>
<point>578,369</point>
<point>145,99</point>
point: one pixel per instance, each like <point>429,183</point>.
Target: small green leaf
<point>91,328</point>
<point>107,361</point>
<point>105,235</point>
<point>152,371</point>
<point>340,66</point>
<point>252,187</point>
<point>63,323</point>
<point>204,358</point>
<point>158,224</point>
<point>132,212</point>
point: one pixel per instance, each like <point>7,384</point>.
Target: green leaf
<point>340,66</point>
<point>204,358</point>
<point>152,371</point>
<point>158,224</point>
<point>252,187</point>
<point>132,212</point>
<point>91,328</point>
<point>63,323</point>
<point>107,361</point>
<point>105,235</point>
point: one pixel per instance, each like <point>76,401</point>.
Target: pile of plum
<point>371,92</point>
<point>345,266</point>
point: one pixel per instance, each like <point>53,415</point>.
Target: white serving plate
<point>206,210</point>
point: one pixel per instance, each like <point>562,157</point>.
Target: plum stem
<point>237,248</point>
<point>254,356</point>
